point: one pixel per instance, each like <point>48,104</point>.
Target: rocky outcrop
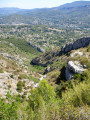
<point>38,61</point>
<point>48,69</point>
<point>8,56</point>
<point>49,57</point>
<point>76,53</point>
<point>73,67</point>
<point>46,59</point>
<point>36,47</point>
<point>83,42</point>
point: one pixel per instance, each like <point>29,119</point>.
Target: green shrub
<point>79,95</point>
<point>42,102</point>
<point>33,79</point>
<point>63,87</point>
<point>85,61</point>
<point>23,76</point>
<point>88,48</point>
<point>20,84</point>
<point>11,76</point>
<point>1,70</point>
<point>75,113</point>
<point>8,111</point>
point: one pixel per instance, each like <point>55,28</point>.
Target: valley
<point>45,63</point>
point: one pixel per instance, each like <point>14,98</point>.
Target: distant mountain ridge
<point>76,14</point>
<point>76,4</point>
<point>8,11</point>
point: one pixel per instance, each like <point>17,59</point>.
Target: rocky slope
<point>16,78</point>
<point>50,57</point>
<point>63,65</point>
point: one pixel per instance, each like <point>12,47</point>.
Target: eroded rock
<point>83,42</point>
<point>73,67</point>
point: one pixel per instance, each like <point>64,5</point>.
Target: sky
<point>30,4</point>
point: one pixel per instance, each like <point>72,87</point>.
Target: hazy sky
<point>29,4</point>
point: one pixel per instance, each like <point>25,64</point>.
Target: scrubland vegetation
<point>45,104</point>
<point>27,92</point>
<point>40,35</point>
<point>64,100</point>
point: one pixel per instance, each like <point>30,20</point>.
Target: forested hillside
<point>74,15</point>
<point>44,37</point>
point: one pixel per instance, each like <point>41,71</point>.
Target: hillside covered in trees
<point>74,15</point>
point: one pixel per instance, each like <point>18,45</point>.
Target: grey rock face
<point>77,52</point>
<point>36,61</point>
<point>83,42</point>
<point>48,69</point>
<point>45,60</point>
<point>48,58</point>
<point>68,74</point>
<point>73,67</point>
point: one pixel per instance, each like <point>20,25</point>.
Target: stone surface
<point>76,53</point>
<point>37,61</point>
<point>83,42</point>
<point>73,67</point>
<point>45,59</point>
<point>48,69</point>
<point>49,57</point>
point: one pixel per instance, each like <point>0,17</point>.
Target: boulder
<point>48,69</point>
<point>37,61</point>
<point>73,67</point>
<point>76,53</point>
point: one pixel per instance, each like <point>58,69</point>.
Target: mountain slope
<point>9,10</point>
<point>76,14</point>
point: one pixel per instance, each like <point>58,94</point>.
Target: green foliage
<point>42,102</point>
<point>23,76</point>
<point>44,90</point>
<point>85,76</point>
<point>44,105</point>
<point>88,48</point>
<point>33,79</point>
<point>62,16</point>
<point>8,110</point>
<point>63,86</point>
<point>20,84</point>
<point>85,61</point>
<point>37,68</point>
<point>1,70</point>
<point>75,113</point>
<point>79,95</point>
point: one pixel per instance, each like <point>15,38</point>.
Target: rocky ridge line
<point>83,42</point>
<point>49,59</point>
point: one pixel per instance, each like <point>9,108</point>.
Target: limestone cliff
<point>83,42</point>
<point>49,57</point>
